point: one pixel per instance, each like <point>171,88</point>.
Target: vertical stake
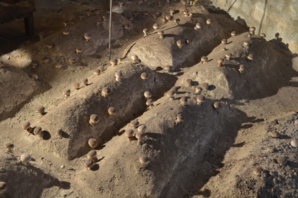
<point>110,30</point>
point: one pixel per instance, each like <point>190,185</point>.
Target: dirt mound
<point>194,43</point>
<point>72,115</point>
<point>16,88</point>
<point>180,150</point>
<point>239,77</point>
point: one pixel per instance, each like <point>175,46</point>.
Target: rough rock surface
<point>195,43</point>
<point>15,88</point>
<point>262,14</point>
<point>276,180</point>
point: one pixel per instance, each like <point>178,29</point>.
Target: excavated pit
<point>201,156</point>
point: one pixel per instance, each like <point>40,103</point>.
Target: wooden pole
<point>110,30</point>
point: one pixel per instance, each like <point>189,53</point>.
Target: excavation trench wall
<point>275,18</point>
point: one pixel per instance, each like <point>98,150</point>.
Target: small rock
<point>294,143</point>
<point>257,171</point>
<point>275,134</point>
<point>281,160</point>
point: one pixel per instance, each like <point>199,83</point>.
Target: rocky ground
<point>198,113</point>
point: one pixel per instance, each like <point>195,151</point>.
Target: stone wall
<point>268,16</point>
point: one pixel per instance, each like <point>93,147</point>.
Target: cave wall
<point>268,16</point>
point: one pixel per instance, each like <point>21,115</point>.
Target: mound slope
<point>270,69</point>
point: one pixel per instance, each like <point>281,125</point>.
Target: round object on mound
<point>294,143</point>
<point>25,158</point>
<point>3,187</point>
<point>129,133</point>
<point>93,119</point>
<point>91,154</point>
<point>111,110</point>
<point>144,161</point>
<point>93,143</point>
<point>275,134</point>
<point>134,123</point>
<point>258,171</point>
